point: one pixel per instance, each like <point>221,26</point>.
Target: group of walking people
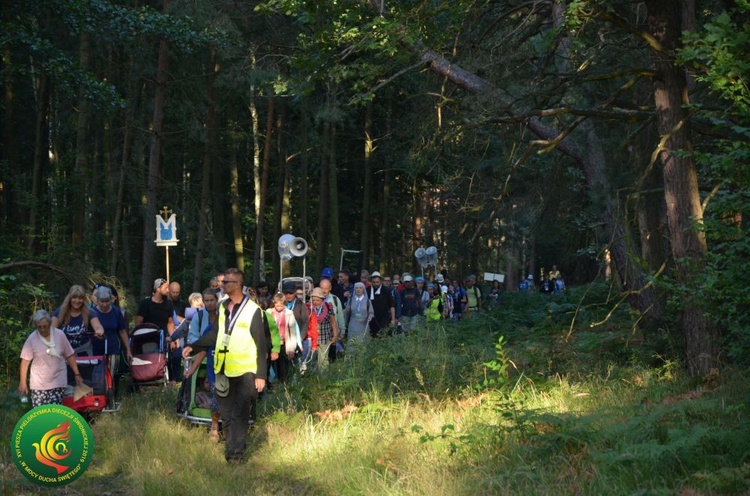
<point>248,335</point>
<point>77,327</point>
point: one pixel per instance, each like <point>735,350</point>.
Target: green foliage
<point>718,53</point>
<point>498,368</point>
<point>350,45</point>
<point>401,418</point>
<point>18,302</point>
<point>37,27</point>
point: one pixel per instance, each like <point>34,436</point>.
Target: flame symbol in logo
<point>53,448</point>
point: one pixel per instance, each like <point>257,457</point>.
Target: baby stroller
<point>150,355</point>
<point>187,405</point>
<point>96,374</point>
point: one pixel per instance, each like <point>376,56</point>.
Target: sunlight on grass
<point>409,416</point>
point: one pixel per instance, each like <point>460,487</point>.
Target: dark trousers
<point>281,366</point>
<point>235,414</point>
<point>378,327</point>
<point>174,365</point>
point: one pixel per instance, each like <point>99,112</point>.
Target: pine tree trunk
<point>333,217</point>
<point>154,167</point>
<point>684,210</point>
<point>366,224</point>
<point>281,186</point>
<point>259,260</point>
<point>127,140</point>
<point>304,171</point>
<point>417,225</point>
<point>202,242</point>
<point>323,205</point>
<point>41,157</point>
<point>234,201</point>
<point>384,239</point>
<point>10,151</point>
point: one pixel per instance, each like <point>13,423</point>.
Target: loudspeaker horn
<point>432,256</point>
<point>421,255</point>
<point>298,247</point>
<point>285,244</point>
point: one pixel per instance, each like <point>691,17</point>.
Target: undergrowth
<point>544,396</point>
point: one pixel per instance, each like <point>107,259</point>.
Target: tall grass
<point>580,410</point>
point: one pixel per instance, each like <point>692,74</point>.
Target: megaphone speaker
<point>298,247</point>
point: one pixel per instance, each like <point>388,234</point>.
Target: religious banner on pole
<point>166,228</point>
<point>166,232</point>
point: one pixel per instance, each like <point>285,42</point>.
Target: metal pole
<point>167,257</point>
<point>304,279</point>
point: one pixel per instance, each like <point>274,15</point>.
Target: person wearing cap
<point>157,309</point>
<point>324,323</point>
<point>326,273</point>
<point>302,317</point>
<point>411,304</point>
<point>384,311</point>
<point>527,283</point>
<point>420,283</point>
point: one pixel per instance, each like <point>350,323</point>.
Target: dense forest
<point>608,137</point>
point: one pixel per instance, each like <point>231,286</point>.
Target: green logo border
<point>31,429</point>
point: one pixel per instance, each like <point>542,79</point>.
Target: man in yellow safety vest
<point>240,361</point>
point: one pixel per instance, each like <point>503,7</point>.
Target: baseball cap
<point>288,287</point>
<point>408,278</point>
<point>439,278</point>
<point>327,273</point>
<point>158,283</point>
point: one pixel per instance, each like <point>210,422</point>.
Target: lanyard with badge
<point>230,319</point>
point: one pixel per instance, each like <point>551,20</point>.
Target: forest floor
<point>543,396</point>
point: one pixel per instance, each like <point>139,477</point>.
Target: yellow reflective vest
<point>241,354</point>
<point>432,313</point>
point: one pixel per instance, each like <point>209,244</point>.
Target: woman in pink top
<point>44,353</point>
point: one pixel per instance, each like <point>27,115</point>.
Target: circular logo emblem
<point>52,445</point>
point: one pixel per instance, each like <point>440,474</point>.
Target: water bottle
<point>24,400</point>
